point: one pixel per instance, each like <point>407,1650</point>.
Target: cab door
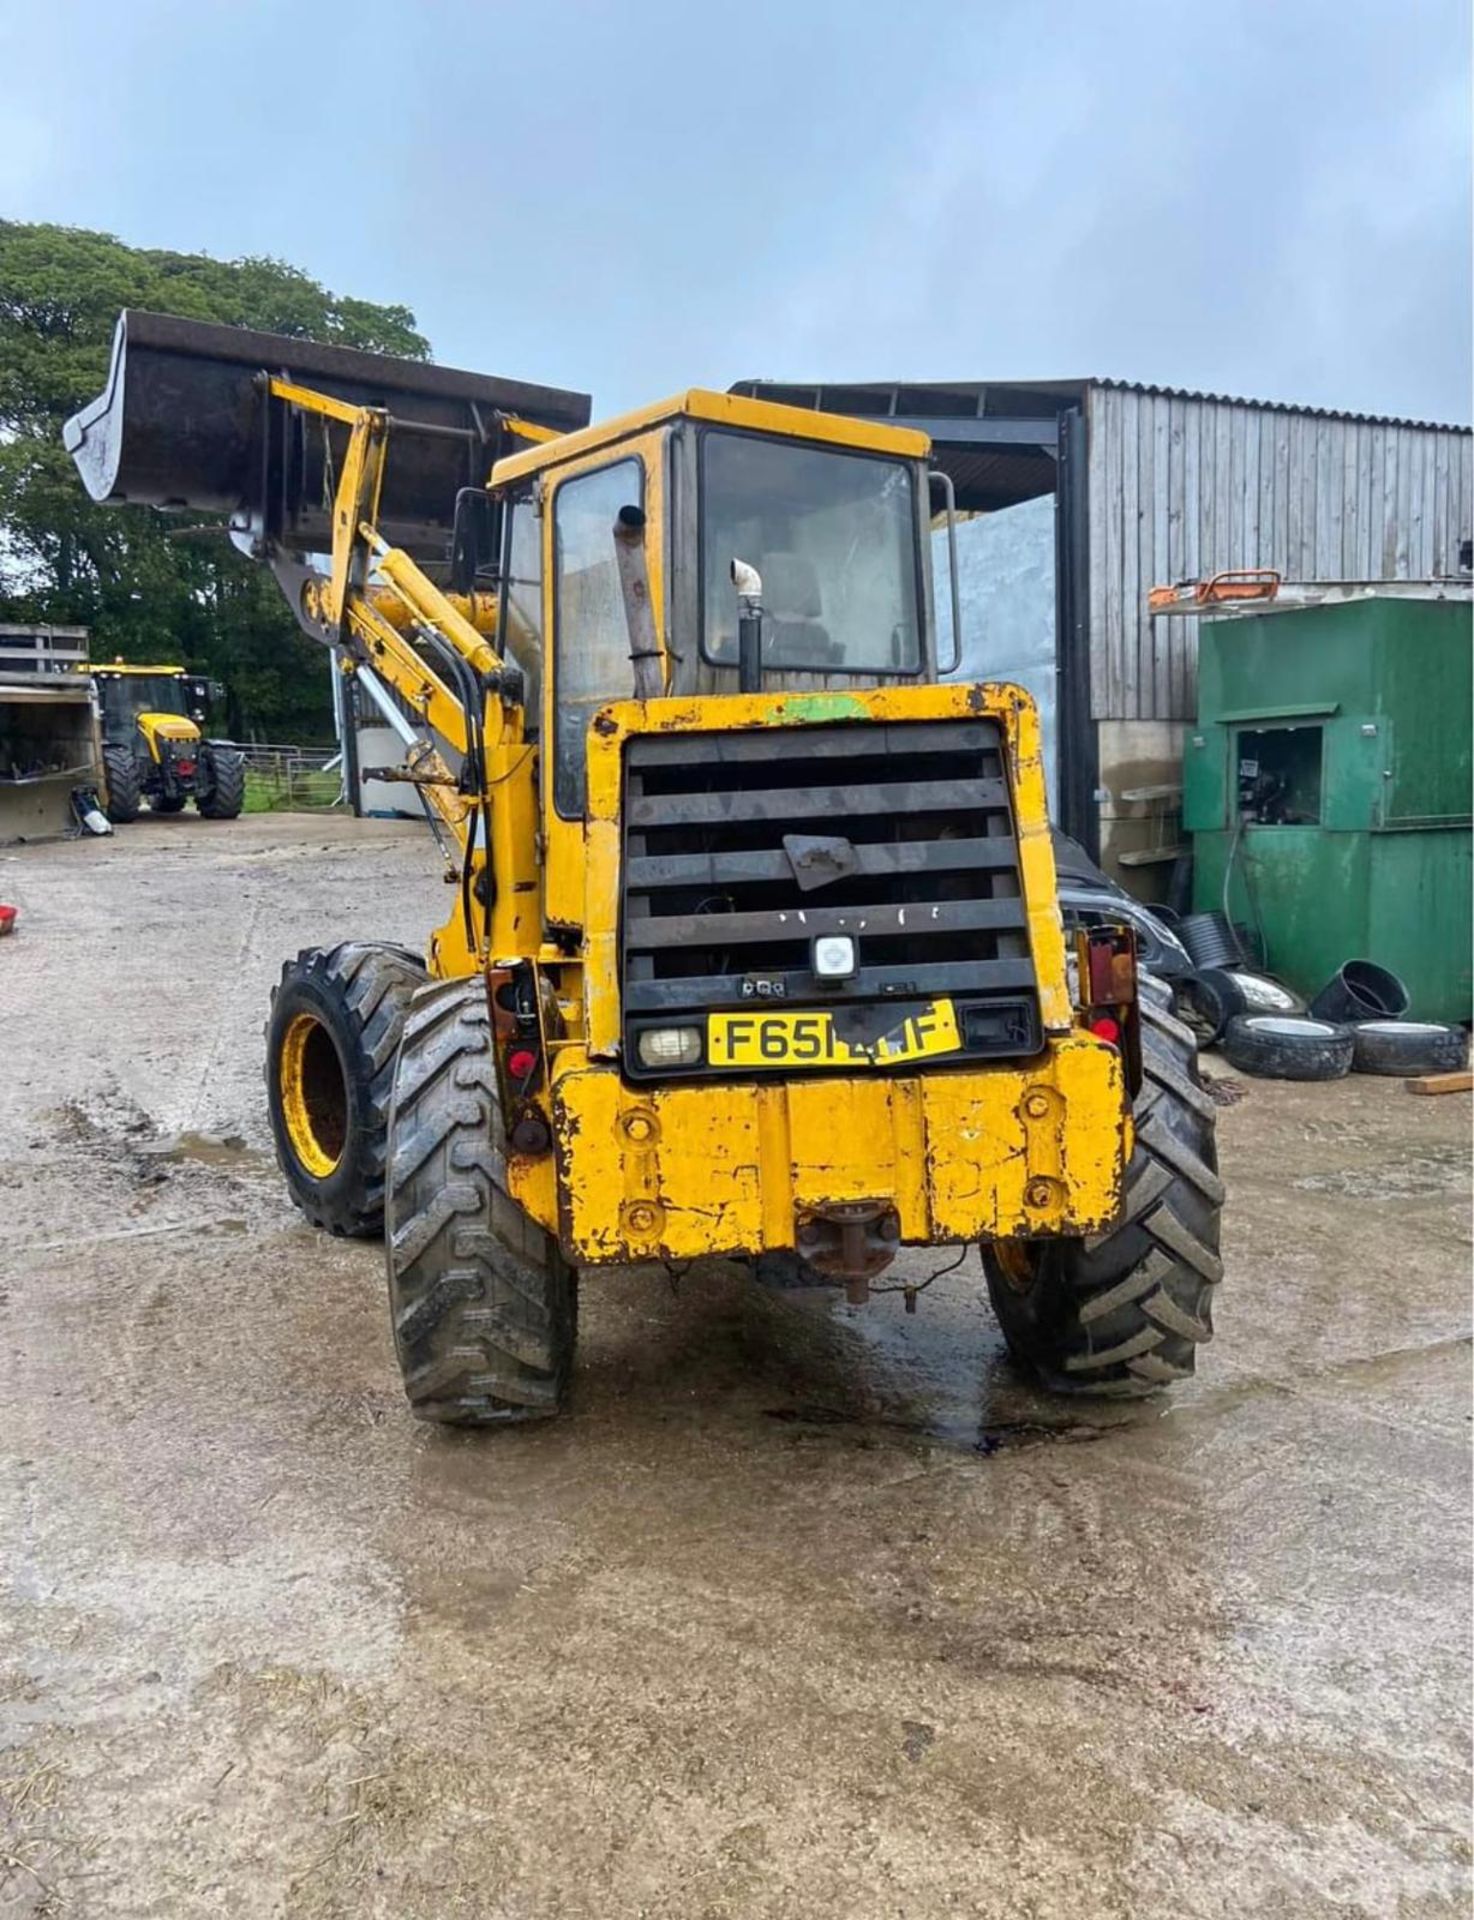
<point>589,659</point>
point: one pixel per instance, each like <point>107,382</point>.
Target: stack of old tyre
<point>1355,1023</point>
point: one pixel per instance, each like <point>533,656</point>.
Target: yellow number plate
<point>808,1039</point>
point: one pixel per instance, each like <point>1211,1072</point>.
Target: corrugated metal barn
<point>1153,485</point>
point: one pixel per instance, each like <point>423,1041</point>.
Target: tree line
<point>145,593</point>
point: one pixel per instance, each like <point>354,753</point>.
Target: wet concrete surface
<point>803,1611</point>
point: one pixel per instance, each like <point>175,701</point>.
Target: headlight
<point>669,1046</point>
<point>834,956</point>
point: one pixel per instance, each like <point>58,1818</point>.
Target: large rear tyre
<point>222,788</point>
<point>1124,1313</point>
<point>124,798</point>
<point>334,1030</point>
<point>485,1308</point>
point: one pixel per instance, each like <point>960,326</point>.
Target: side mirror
<point>475,542</point>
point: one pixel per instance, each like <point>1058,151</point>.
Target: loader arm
<point>373,599</point>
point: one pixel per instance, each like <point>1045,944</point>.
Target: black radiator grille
<point>926,878</point>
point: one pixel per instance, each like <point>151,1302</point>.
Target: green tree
<point>145,592</point>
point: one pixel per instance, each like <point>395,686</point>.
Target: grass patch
<point>294,790</point>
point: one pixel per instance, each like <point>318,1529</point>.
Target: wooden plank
<point>1151,856</point>
<point>1190,551</point>
<point>1421,554</point>
<point>1410,505</point>
<point>1327,501</point>
<point>1294,546</point>
<point>1208,560</point>
<point>1445,552</point>
<point>1172,553</point>
<point>1387,555</point>
<point>1460,1082</point>
<point>1264,501</point>
<point>1236,449</point>
<point>1281,555</point>
<point>1310,500</point>
<point>1133,588</point>
<point>1223,488</point>
<point>1162,639</point>
<point>1114,626</point>
<point>1143,649</point>
<point>1249,428</point>
<point>1350,502</point>
<point>1097,535</point>
<point>1373,482</point>
<point>1192,492</point>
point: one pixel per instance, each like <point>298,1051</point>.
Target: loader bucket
<point>185,421</point>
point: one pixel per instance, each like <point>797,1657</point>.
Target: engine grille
<point>924,875</point>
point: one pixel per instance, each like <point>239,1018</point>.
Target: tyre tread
<point>483,1305</point>
<point>1123,1313</point>
<point>357,974</point>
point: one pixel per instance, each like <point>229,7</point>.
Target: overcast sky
<point>1260,197</point>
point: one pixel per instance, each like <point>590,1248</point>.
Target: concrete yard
<point>801,1612</point>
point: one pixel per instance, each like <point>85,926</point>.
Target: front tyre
<point>337,1015</point>
<point>485,1308</point>
<point>1124,1313</point>
<point>124,796</point>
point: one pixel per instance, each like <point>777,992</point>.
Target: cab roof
<point>722,409</point>
<point>128,666</point>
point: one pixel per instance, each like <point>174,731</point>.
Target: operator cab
<point>831,515</point>
<point>126,694</point>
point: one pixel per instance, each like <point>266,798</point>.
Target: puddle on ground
<point>806,1361</point>
<point>208,1149</point>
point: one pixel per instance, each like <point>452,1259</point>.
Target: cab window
<point>833,535</point>
<point>593,651</point>
<point>522,606</point>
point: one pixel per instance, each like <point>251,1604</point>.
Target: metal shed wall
<point>1181,485</point>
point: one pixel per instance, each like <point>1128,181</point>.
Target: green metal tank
<point>1328,776</point>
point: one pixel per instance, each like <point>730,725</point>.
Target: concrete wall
<point>1006,570</point>
<point>1136,755</point>
<point>382,747</point>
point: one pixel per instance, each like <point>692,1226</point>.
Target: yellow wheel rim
<point>314,1097</point>
<point>1016,1258</point>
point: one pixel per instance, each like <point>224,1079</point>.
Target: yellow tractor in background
<point>154,747</point>
<point>754,947</point>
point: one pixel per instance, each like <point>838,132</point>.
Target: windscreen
<point>130,694</point>
<point>834,536</point>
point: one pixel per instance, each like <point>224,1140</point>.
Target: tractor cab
<point>142,698</point>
